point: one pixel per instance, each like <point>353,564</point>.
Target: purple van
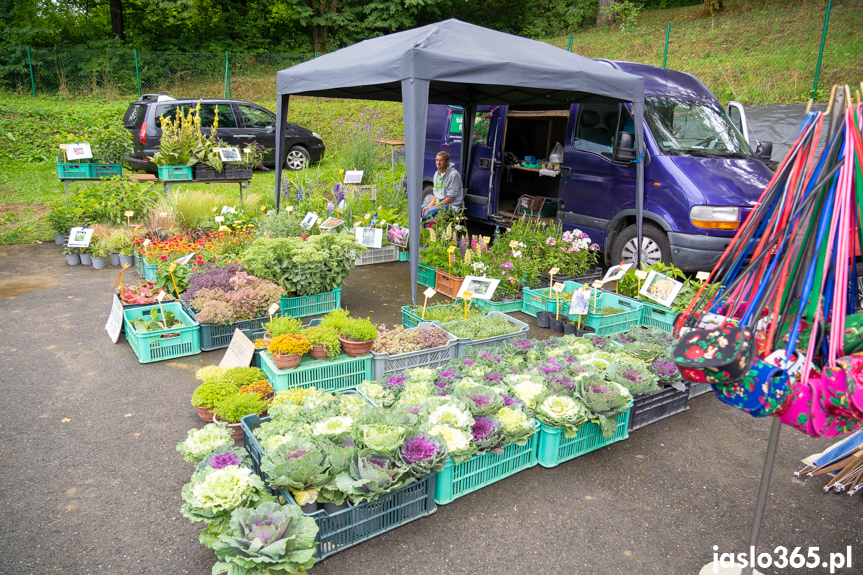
<point>701,176</point>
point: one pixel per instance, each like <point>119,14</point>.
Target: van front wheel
<point>654,246</point>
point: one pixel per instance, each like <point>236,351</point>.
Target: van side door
<point>597,187</point>
<point>481,197</point>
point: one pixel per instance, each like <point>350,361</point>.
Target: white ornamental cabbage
<point>226,488</point>
<point>451,414</point>
<point>333,426</point>
<point>528,391</point>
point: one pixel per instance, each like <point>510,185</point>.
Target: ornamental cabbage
<point>414,392</point>
<point>563,411</point>
<point>223,457</point>
<point>518,427</point>
<point>453,414</point>
<point>634,376</point>
<point>382,437</point>
<point>605,400</point>
<point>377,393</point>
<point>299,466</point>
<point>458,442</point>
<point>203,442</point>
<point>420,374</point>
<point>480,399</point>
<point>271,538</point>
<point>528,392</point>
<point>351,405</point>
<point>333,426</point>
<point>487,432</point>
<point>370,475</point>
<point>213,494</point>
<point>423,453</point>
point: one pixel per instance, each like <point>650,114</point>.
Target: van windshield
<point>691,128</point>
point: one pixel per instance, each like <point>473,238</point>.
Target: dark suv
<point>239,123</point>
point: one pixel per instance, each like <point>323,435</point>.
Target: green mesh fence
<point>769,62</point>
<point>114,73</point>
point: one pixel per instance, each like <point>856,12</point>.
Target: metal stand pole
<point>763,489</point>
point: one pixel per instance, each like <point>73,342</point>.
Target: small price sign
<point>558,287</point>
<point>553,271</point>
<point>513,244</point>
<point>273,309</point>
<point>129,213</point>
<point>467,294</point>
<point>319,221</point>
<point>486,240</point>
<point>147,242</point>
<point>597,284</point>
<point>430,292</point>
<point>641,274</point>
<point>161,296</point>
<point>289,209</point>
<point>702,276</point>
<point>450,249</point>
<point>220,219</point>
<point>366,216</point>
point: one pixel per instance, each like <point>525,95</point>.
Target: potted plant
<point>325,341</point>
<point>110,146</point>
<point>288,349</point>
<point>556,322</point>
<point>543,319</point>
<point>122,244</point>
<point>99,251</point>
<point>85,256</point>
<point>357,336</point>
<point>62,218</point>
<point>280,325</point>
<point>72,256</point>
<point>205,154</point>
<point>207,395</point>
<point>179,136</point>
<point>234,407</point>
<point>253,156</point>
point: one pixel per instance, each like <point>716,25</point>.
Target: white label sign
<point>78,151</point>
<point>273,309</point>
<point>115,319</point>
<point>429,292</point>
<point>240,351</point>
<point>230,154</point>
<point>353,176</point>
<point>185,259</point>
<point>80,237</point>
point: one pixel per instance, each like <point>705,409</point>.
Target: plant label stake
<point>702,276</point>
<point>219,219</point>
<point>289,209</point>
<point>159,298</point>
<point>430,292</point>
<point>450,250</point>
<point>128,214</point>
<point>596,285</point>
<point>146,242</point>
<point>468,299</point>
<point>557,288</point>
<point>513,244</point>
<point>273,309</point>
<point>119,280</point>
<point>171,269</point>
<point>641,275</point>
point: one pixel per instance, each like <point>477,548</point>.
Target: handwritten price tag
<point>289,209</point>
<point>486,240</point>
<point>641,274</point>
<point>319,221</point>
<point>366,216</point>
<point>220,219</point>
<point>273,309</point>
<point>429,292</point>
<point>597,284</point>
<point>172,267</point>
<point>553,271</point>
<point>702,276</point>
<point>147,242</point>
<point>161,296</point>
<point>467,294</point>
<point>513,244</point>
<point>450,249</point>
<point>128,213</point>
<point>558,287</point>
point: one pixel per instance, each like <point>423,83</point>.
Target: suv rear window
<point>135,115</point>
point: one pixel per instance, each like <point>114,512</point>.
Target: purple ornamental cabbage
<point>522,345</point>
<point>224,457</point>
<point>395,382</point>
<point>487,433</point>
<point>220,460</point>
<point>480,400</point>
<point>666,370</point>
<point>509,401</point>
<point>423,453</point>
<point>469,362</point>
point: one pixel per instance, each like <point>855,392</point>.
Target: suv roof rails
<point>154,98</point>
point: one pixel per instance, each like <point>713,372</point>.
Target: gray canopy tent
<point>456,63</point>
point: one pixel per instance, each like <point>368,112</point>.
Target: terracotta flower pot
<point>318,352</point>
<point>205,413</point>
<point>289,361</point>
<point>236,428</point>
<point>356,348</point>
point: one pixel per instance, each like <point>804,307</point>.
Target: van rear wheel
<point>654,246</point>
<point>428,194</point>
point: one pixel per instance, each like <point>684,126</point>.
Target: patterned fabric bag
<point>719,356</point>
<point>763,391</point>
<point>806,413</point>
<point>843,387</point>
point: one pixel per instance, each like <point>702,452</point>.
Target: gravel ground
<point>90,480</point>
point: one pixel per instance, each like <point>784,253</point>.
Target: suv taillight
<point>142,135</point>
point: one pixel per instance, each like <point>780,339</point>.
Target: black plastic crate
<point>237,172</point>
<point>205,172</point>
<point>647,409</point>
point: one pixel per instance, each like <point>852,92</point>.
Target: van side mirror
<point>624,148</point>
<point>764,151</point>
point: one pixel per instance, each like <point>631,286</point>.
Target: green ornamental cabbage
<point>605,400</point>
<point>563,411</point>
<point>272,538</point>
<point>299,466</point>
<point>203,442</point>
<point>370,475</point>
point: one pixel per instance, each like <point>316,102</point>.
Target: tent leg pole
<point>763,490</point>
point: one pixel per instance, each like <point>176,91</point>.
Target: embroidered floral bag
<point>718,356</point>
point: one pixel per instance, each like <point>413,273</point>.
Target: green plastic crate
<point>536,300</point>
<point>498,306</point>
<point>454,481</point>
<point>316,304</point>
<point>175,173</point>
<point>464,343</point>
<point>426,275</point>
<point>336,374</point>
<point>404,256</point>
<point>105,170</point>
<point>73,171</point>
<point>657,316</point>
<point>384,364</point>
<point>139,264</point>
<point>617,322</point>
<point>553,448</point>
<point>166,344</point>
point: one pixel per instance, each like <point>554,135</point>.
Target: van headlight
<point>715,217</point>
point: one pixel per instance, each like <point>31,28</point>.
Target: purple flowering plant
<point>486,432</point>
<point>423,453</point>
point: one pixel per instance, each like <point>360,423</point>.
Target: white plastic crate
<point>379,256</point>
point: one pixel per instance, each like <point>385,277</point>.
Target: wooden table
<point>392,144</point>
